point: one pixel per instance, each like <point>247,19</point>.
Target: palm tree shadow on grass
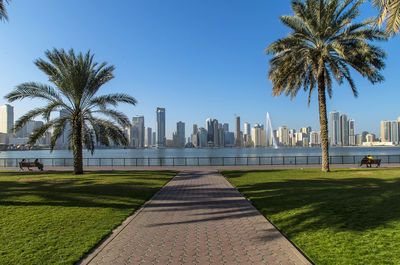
<point>76,191</point>
<point>355,204</point>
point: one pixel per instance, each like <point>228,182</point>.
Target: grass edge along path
<point>57,217</point>
<point>348,216</point>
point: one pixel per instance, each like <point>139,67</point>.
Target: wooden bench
<point>368,162</point>
<point>30,164</point>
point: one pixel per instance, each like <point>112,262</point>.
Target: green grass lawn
<point>56,217</point>
<point>343,217</point>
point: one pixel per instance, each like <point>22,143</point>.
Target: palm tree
<point>3,11</point>
<point>389,14</point>
<point>77,79</point>
<point>323,44</point>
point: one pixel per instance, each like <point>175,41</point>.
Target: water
<point>224,152</point>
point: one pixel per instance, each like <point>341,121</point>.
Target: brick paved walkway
<point>198,218</point>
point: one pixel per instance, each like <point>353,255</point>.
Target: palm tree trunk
<point>323,120</point>
<point>77,147</point>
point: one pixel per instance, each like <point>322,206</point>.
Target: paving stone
<point>197,218</point>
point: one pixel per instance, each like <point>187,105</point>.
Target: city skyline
<point>343,131</point>
<point>210,69</point>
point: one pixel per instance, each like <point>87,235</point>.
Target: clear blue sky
<point>198,59</point>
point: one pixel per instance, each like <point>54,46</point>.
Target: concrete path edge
<point>96,249</point>
<point>303,255</point>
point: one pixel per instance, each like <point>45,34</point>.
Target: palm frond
<point>389,15</point>
<point>3,11</point>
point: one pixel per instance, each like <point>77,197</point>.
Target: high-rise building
<point>344,130</point>
<point>352,135</point>
<point>210,131</point>
<point>238,141</point>
<point>359,139</point>
<point>394,132</point>
<point>216,134</point>
<point>315,139</point>
<point>258,136</point>
<point>195,129</point>
<point>148,137</point>
<point>160,130</point>
<point>225,127</point>
<point>154,139</point>
<point>364,136</point>
<point>6,119</point>
<point>334,128</point>
<point>385,131</point>
<point>283,135</point>
<point>137,132</point>
<point>180,131</point>
<point>370,137</point>
<point>229,139</point>
<point>246,129</point>
<point>202,137</point>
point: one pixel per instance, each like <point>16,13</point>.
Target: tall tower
<point>6,118</point>
<point>180,131</point>
<point>215,130</point>
<point>137,134</point>
<point>148,137</point>
<point>210,130</point>
<point>246,129</point>
<point>386,131</point>
<point>161,140</point>
<point>394,132</point>
<point>334,127</point>
<point>238,141</point>
<point>352,134</point>
<point>344,130</point>
<point>225,126</point>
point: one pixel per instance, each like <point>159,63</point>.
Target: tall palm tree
<point>3,11</point>
<point>77,79</point>
<point>389,14</point>
<point>323,44</point>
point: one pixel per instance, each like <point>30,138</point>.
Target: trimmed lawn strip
<point>56,217</point>
<point>348,216</point>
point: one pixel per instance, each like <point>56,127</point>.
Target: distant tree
<point>389,14</point>
<point>77,79</point>
<point>323,44</point>
<point>3,11</point>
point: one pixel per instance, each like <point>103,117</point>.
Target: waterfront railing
<point>200,161</point>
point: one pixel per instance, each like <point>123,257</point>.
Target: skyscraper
<point>148,137</point>
<point>137,132</point>
<point>334,127</point>
<point>161,140</point>
<point>6,118</point>
<point>195,129</point>
<point>283,135</point>
<point>352,134</point>
<point>344,130</point>
<point>259,136</point>
<point>238,141</point>
<point>394,132</point>
<point>154,139</point>
<point>202,137</point>
<point>225,127</point>
<point>385,131</point>
<point>180,131</point>
<point>246,129</point>
<point>215,131</point>
<point>210,130</point>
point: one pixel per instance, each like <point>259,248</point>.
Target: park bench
<point>368,162</point>
<point>30,164</point>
